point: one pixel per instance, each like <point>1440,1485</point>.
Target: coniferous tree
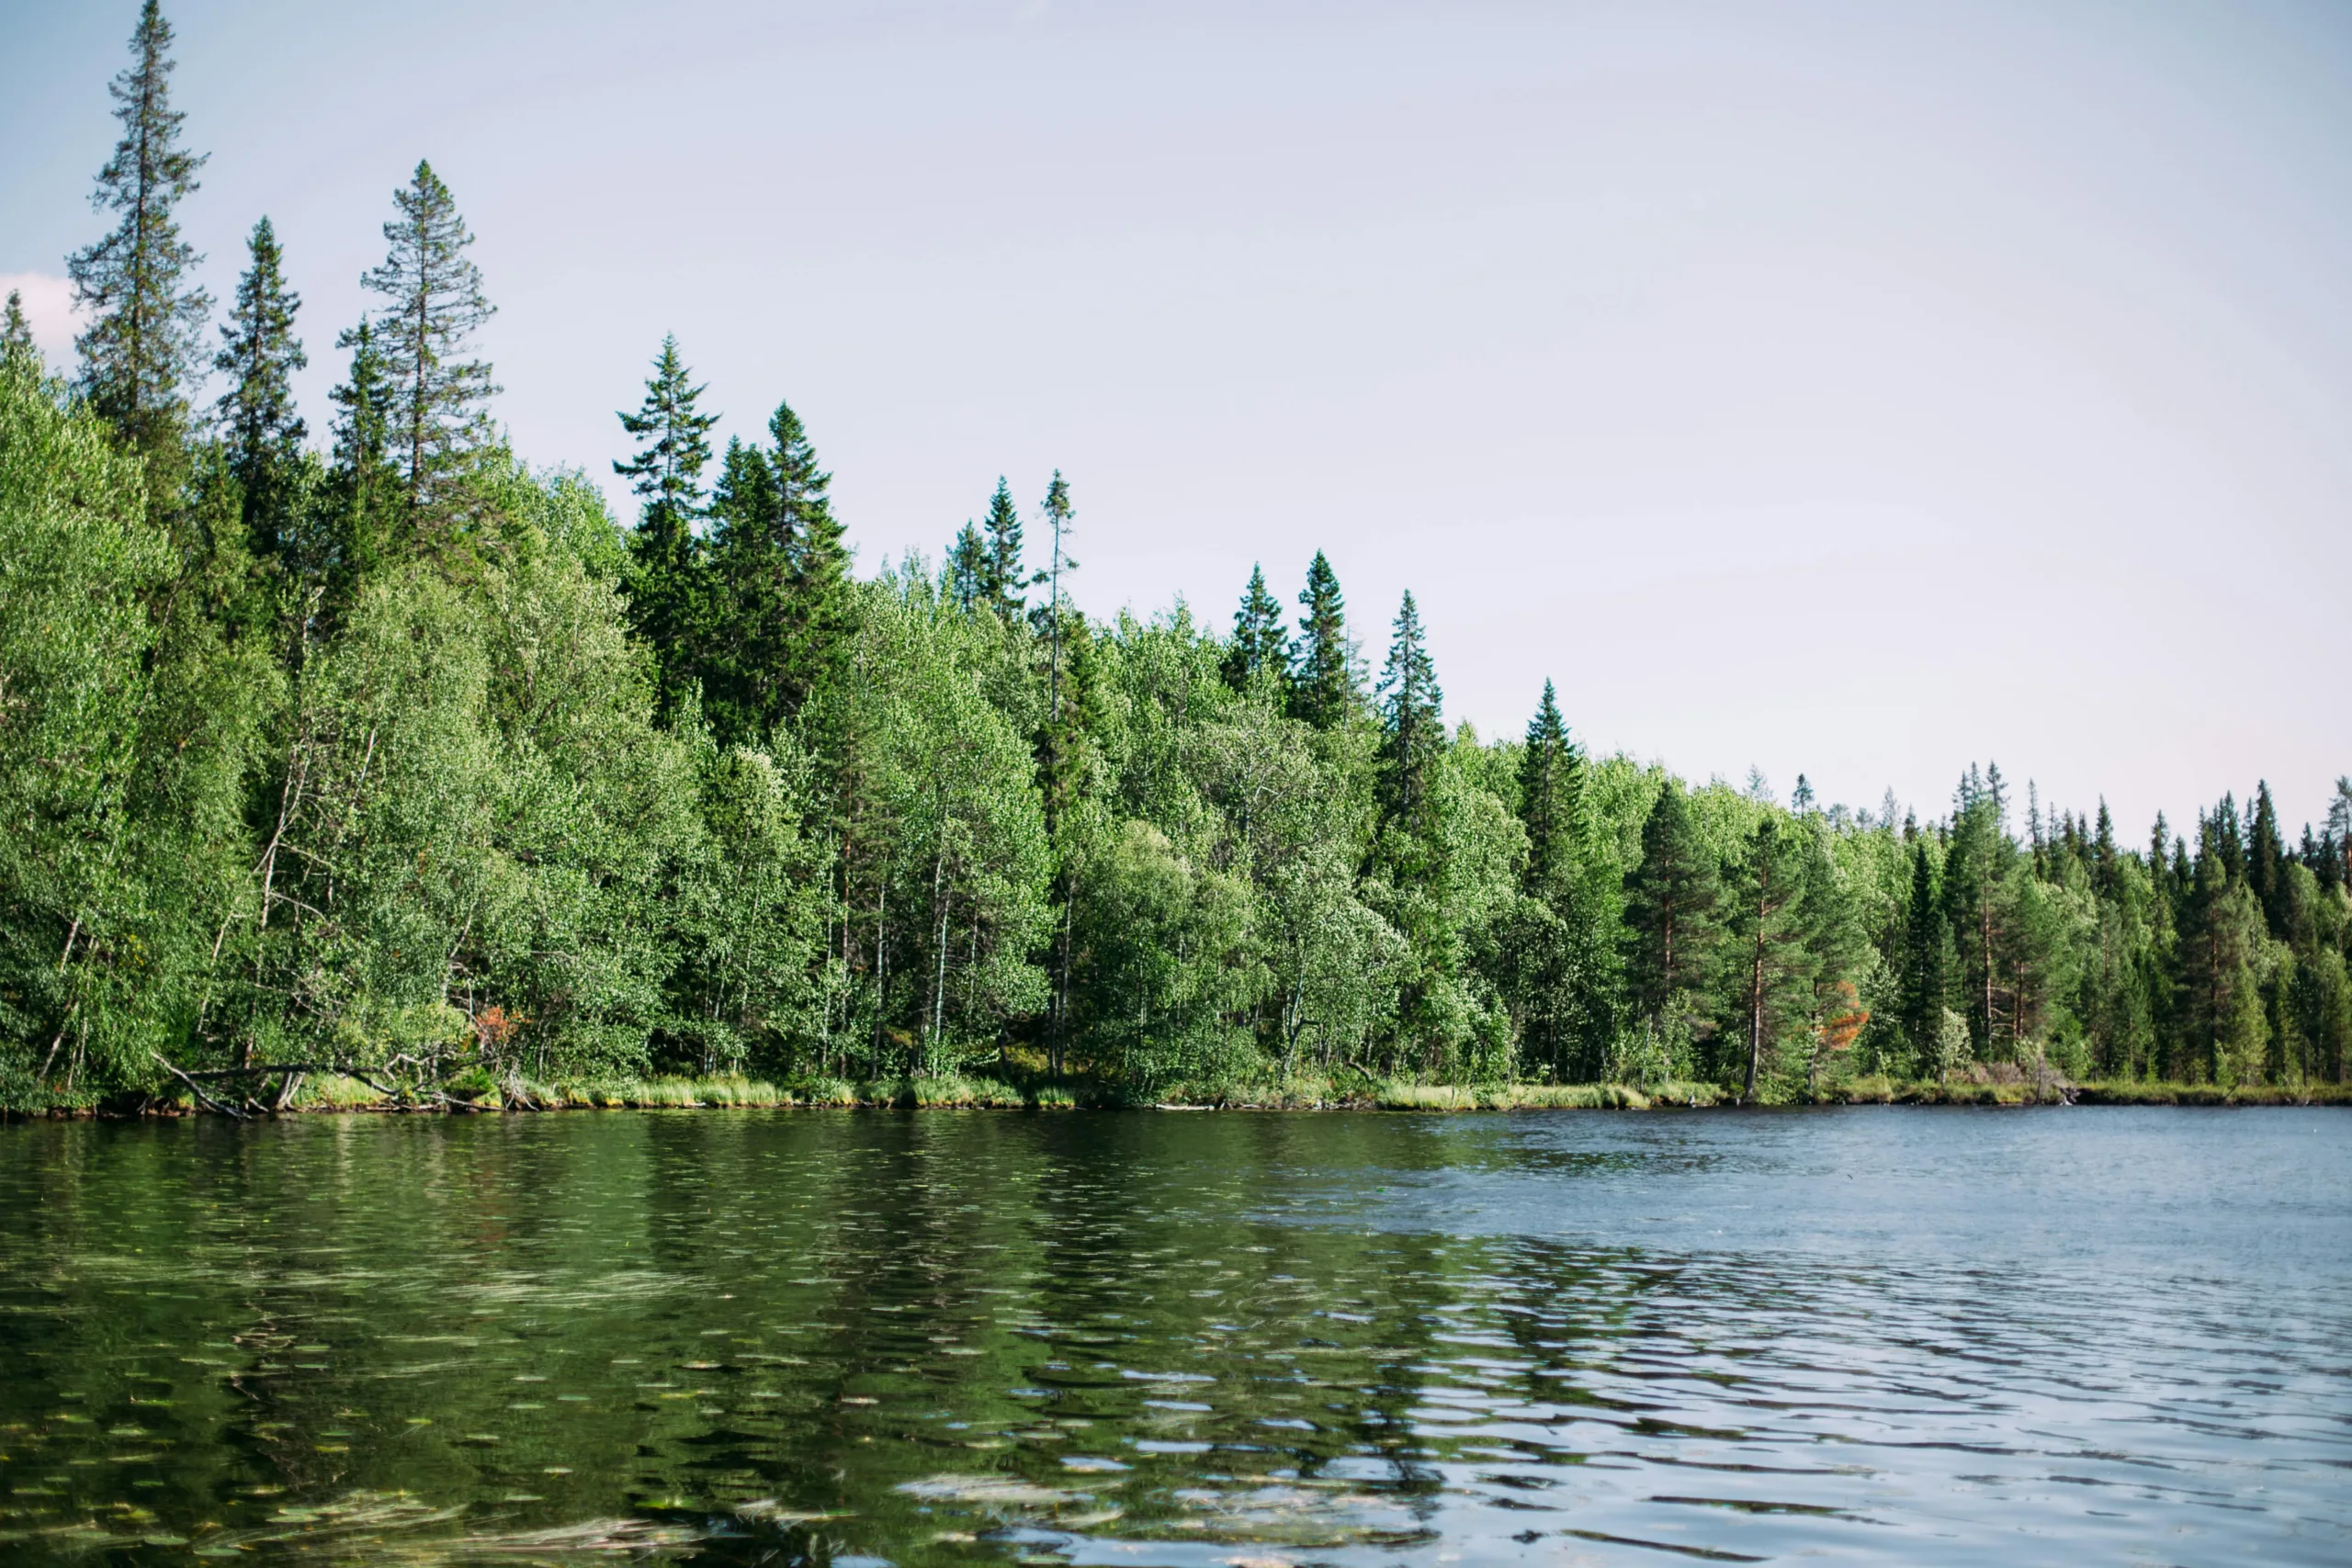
<point>666,551</point>
<point>1926,948</point>
<point>144,340</point>
<point>1410,712</point>
<point>1770,976</point>
<point>2267,861</point>
<point>1551,790</point>
<point>433,304</point>
<point>17,334</point>
<point>739,652</point>
<point>263,432</point>
<point>821,559</point>
<point>1004,579</point>
<point>967,569</point>
<point>1261,646</point>
<point>364,478</point>
<point>1325,683</point>
<point>1672,921</point>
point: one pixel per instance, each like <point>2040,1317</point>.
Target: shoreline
<point>349,1098</point>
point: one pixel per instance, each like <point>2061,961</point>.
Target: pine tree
<point>1004,581</point>
<point>1410,712</point>
<point>967,569</point>
<point>434,306</point>
<point>1551,799</point>
<point>1670,910</point>
<point>1260,648</point>
<point>1058,516</point>
<point>1800,802</point>
<point>1325,681</point>
<point>264,434</point>
<point>16,346</point>
<point>144,340</point>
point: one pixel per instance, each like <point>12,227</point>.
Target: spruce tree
<point>819,597</point>
<point>1411,706</point>
<point>666,551</point>
<point>1926,945</point>
<point>1670,911</point>
<point>1005,582</point>
<point>364,478</point>
<point>433,304</point>
<point>17,347</point>
<point>1260,648</point>
<point>2267,861</point>
<point>739,654</point>
<point>967,569</point>
<point>263,433</point>
<point>144,340</point>
<point>1324,690</point>
<point>1550,789</point>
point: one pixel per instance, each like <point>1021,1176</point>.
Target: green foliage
<point>432,306</point>
<point>403,771</point>
<point>144,338</point>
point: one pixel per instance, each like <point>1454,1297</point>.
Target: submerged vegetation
<point>393,771</point>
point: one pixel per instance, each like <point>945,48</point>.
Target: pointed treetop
<point>1260,645</point>
<point>144,340</point>
<point>1325,680</point>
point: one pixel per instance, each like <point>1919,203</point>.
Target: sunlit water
<point>2070,1336</point>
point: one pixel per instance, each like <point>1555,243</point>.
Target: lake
<point>859,1338</point>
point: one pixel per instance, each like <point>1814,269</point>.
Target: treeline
<point>386,752</point>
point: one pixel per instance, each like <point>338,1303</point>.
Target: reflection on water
<point>1209,1339</point>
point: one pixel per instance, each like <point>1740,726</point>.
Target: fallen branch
<point>197,1089</point>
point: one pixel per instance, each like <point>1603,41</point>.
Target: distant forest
<point>388,751</point>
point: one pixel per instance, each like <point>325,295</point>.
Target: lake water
<point>2056,1336</point>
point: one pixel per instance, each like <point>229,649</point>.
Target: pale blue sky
<point>1850,389</point>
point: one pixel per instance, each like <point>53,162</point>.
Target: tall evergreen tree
<point>967,569</point>
<point>1411,713</point>
<point>1770,976</point>
<point>666,551</point>
<point>820,560</point>
<point>739,654</point>
<point>433,304</point>
<point>2267,861</point>
<point>1671,919</point>
<point>1551,799</point>
<point>17,334</point>
<point>1260,648</point>
<point>1325,683</point>
<point>263,432</point>
<point>144,340</point>
<point>365,477</point>
<point>1925,961</point>
<point>1004,579</point>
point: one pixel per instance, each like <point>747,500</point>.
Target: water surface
<point>972,1337</point>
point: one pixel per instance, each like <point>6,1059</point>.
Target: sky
<point>1848,389</point>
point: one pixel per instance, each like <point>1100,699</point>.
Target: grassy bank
<point>335,1092</point>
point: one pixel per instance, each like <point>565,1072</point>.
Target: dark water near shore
<point>941,1337</point>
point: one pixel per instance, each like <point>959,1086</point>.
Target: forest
<point>378,756</point>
